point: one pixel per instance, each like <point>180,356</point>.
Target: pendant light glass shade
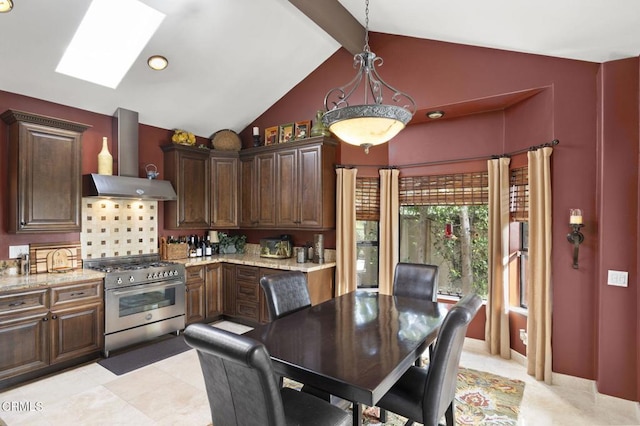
<point>371,123</point>
<point>5,6</point>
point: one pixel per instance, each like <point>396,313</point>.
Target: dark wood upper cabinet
<point>224,189</point>
<point>188,169</point>
<point>289,186</point>
<point>206,183</point>
<point>44,169</point>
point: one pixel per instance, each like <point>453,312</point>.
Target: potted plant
<point>230,244</point>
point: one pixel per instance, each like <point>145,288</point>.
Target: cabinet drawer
<point>195,273</point>
<point>247,310</point>
<point>247,273</point>
<point>25,301</point>
<point>247,292</point>
<point>82,292</point>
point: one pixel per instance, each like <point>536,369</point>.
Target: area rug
<point>137,358</point>
<point>482,399</point>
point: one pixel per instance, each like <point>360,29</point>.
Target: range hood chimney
<point>126,184</point>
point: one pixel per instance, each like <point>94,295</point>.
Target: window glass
<point>453,237</point>
<point>524,260</point>
<point>367,253</point>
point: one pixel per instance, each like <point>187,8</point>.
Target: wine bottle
<point>207,246</point>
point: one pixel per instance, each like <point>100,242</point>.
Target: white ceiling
<point>230,60</point>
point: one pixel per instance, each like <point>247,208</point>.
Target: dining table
<point>354,346</point>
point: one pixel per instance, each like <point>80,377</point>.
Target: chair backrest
<point>239,378</point>
<point>416,280</point>
<point>442,376</point>
<point>285,292</point>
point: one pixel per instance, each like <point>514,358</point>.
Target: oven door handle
<point>141,288</point>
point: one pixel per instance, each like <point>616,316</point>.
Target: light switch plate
<point>17,251</point>
<point>618,278</point>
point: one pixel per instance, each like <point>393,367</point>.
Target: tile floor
<point>171,392</point>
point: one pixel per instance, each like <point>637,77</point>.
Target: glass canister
<point>318,248</point>
<point>301,255</point>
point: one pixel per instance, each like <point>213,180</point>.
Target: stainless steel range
<point>144,298</point>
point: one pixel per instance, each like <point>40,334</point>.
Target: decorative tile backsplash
<point>118,227</point>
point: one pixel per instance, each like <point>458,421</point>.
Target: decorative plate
<point>226,140</point>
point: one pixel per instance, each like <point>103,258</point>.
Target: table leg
<point>357,413</point>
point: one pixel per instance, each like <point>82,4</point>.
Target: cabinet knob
<point>45,319</point>
<point>23,223</point>
<point>54,317</point>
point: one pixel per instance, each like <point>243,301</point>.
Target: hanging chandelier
<point>372,123</point>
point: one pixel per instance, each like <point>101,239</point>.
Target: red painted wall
<point>437,73</point>
<point>617,218</point>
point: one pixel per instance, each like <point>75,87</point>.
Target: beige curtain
<point>389,229</point>
<point>497,323</point>
<point>539,291</point>
<point>346,278</point>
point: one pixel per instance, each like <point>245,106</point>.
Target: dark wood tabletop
<point>355,346</point>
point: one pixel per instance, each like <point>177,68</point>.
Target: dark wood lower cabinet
<point>213,290</point>
<point>54,326</point>
<point>194,297</point>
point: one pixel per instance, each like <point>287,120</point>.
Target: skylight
<point>109,39</point>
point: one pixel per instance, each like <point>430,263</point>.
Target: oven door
<point>143,304</point>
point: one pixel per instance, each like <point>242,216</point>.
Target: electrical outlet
<point>523,336</point>
<point>17,251</point>
<point>618,278</point>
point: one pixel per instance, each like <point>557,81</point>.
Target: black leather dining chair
<point>242,387</point>
<point>424,395</point>
<point>285,293</point>
<point>417,280</point>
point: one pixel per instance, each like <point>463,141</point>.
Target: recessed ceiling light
<point>435,114</point>
<point>157,62</point>
<point>6,6</point>
<point>109,40</point>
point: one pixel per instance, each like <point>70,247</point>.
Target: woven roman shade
<point>445,190</point>
<point>519,194</point>
<point>367,198</point>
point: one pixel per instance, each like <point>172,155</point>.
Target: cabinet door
<point>194,303</point>
<point>266,189</point>
<point>248,192</point>
<point>45,174</point>
<point>195,295</point>
<point>224,192</point>
<point>23,343</point>
<point>76,331</point>
<point>310,187</point>
<point>287,204</point>
<point>213,299</point>
<point>188,170</point>
<point>229,291</point>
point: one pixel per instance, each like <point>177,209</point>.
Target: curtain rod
<point>431,163</point>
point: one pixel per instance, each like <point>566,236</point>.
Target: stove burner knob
<point>119,280</point>
<point>131,279</point>
<point>155,275</point>
<point>149,276</point>
<point>166,274</point>
<point>175,272</point>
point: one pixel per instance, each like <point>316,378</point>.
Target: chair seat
<point>403,397</point>
<point>304,409</point>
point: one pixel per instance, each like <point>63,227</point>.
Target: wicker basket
<point>226,140</point>
<point>173,251</point>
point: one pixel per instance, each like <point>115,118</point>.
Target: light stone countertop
<point>33,281</point>
<point>289,264</point>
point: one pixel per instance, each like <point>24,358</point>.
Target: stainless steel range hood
<point>126,184</point>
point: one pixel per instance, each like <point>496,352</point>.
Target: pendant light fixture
<point>373,122</point>
<point>6,6</point>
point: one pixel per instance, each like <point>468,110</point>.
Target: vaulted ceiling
<point>230,60</point>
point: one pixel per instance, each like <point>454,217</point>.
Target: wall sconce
<point>575,236</point>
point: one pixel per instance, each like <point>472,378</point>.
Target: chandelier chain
<point>366,26</point>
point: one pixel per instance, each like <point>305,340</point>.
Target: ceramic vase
<point>105,160</point>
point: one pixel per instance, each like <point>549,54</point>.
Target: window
<point>519,212</point>
<point>367,221</point>
<point>523,264</point>
<point>444,221</point>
